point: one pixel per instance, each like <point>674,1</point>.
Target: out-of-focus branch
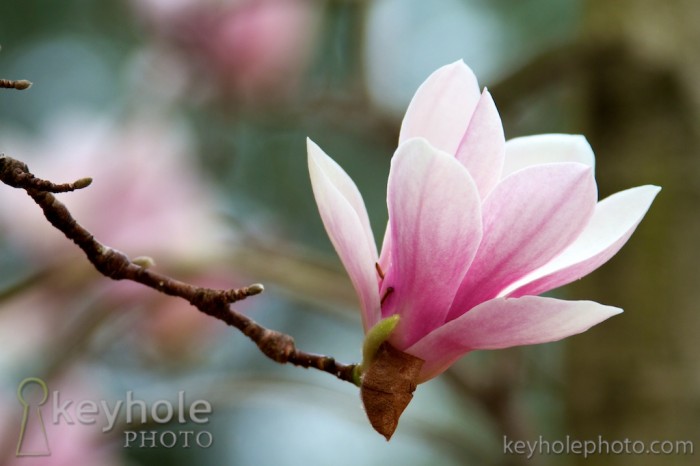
<point>117,266</point>
<point>20,84</point>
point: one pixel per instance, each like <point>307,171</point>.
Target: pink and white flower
<point>477,228</point>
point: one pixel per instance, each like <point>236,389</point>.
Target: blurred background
<point>191,116</point>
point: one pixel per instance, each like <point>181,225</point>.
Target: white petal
<point>546,148</point>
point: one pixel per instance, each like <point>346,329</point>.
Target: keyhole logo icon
<point>32,421</point>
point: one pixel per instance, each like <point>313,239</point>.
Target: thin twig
<point>117,266</point>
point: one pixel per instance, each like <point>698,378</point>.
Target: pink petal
<point>385,255</point>
<point>345,218</point>
<point>442,107</point>
<point>482,149</point>
<point>546,148</point>
<point>529,218</point>
<point>506,322</point>
<point>435,217</point>
<point>613,222</point>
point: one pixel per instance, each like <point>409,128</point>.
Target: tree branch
<point>117,266</point>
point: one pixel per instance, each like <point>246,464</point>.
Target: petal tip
<point>310,144</point>
<point>315,153</point>
<point>653,189</point>
<point>602,312</point>
<point>464,68</point>
<point>644,194</point>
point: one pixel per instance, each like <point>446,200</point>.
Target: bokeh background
<point>191,116</point>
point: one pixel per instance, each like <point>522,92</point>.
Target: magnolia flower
<point>477,228</point>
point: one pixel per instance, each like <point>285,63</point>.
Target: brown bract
<point>387,387</point>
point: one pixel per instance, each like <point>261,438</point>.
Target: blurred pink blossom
<point>147,198</point>
<point>255,50</point>
<point>477,228</point>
